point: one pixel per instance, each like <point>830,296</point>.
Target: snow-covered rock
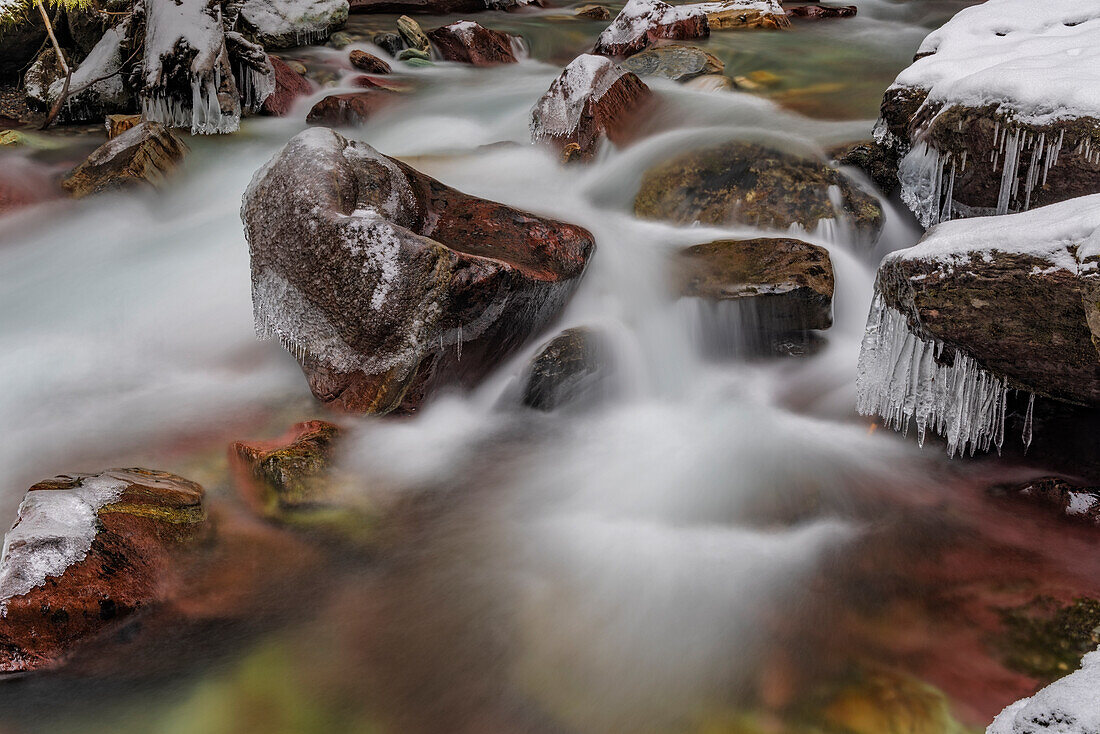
<point>435,7</point>
<point>286,23</point>
<point>591,100</point>
<point>1070,705</point>
<point>467,42</point>
<point>980,307</point>
<point>643,22</point>
<point>97,87</point>
<point>1000,112</point>
<point>385,283</point>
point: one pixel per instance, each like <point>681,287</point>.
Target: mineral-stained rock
<point>348,109</point>
<point>748,183</point>
<point>642,23</point>
<point>24,182</point>
<point>86,551</point>
<point>789,282</point>
<point>975,135</point>
<point>118,124</point>
<point>569,369</point>
<point>289,86</point>
<point>592,99</point>
<point>414,55</point>
<point>142,155</point>
<point>822,11</point>
<point>674,61</point>
<point>412,34</point>
<point>470,43</point>
<point>386,283</point>
<point>286,23</point>
<point>368,62</point>
<point>595,12</point>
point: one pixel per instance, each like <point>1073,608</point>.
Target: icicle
<point>1027,421</point>
<point>1009,174</point>
<point>458,346</point>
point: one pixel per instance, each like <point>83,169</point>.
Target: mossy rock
<point>1047,641</point>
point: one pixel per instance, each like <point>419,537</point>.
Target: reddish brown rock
<point>87,551</point>
<point>467,42</point>
<point>351,108</point>
<point>289,86</point>
<point>368,62</point>
<point>822,11</point>
<point>593,99</point>
<point>386,284</point>
<point>434,7</point>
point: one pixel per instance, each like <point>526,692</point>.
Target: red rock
<point>592,99</point>
<point>351,108</point>
<point>368,62</point>
<point>644,22</point>
<point>822,11</point>
<point>289,86</point>
<point>470,43</point>
<point>284,473</point>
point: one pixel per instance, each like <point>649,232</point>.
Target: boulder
<point>86,552</point>
<point>788,282</point>
<point>467,42</point>
<point>348,109</point>
<point>878,162</point>
<point>143,155</point>
<point>385,283</point>
<point>97,87</point>
<point>368,62</point>
<point>412,35</point>
<point>391,43</point>
<point>1068,705</point>
<point>986,126</point>
<point>19,42</point>
<point>287,23</point>
<point>822,11</point>
<point>435,7</point>
<point>747,183</point>
<point>570,369</point>
<point>642,23</point>
<point>673,61</point>
<point>40,76</point>
<point>980,307</point>
<point>591,100</point>
<point>289,86</point>
<point>594,12</point>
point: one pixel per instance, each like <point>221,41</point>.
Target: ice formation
<point>283,23</point>
<point>587,78</point>
<point>1070,705</point>
<point>54,529</point>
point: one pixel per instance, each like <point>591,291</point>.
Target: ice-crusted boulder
<point>592,100</point>
<point>1000,111</point>
<point>286,23</point>
<point>385,283</point>
<point>747,183</point>
<point>144,155</point>
<point>86,552</point>
<point>468,42</point>
<point>645,22</point>
<point>97,87</point>
<point>1070,705</point>
<point>980,307</point>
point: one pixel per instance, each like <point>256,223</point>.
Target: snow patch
<point>283,23</point>
<point>1070,705</point>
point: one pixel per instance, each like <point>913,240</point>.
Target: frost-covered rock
<point>87,551</point>
<point>591,100</point>
<point>97,87</point>
<point>385,283</point>
<point>980,307</point>
<point>1000,112</point>
<point>644,22</point>
<point>286,23</point>
<point>468,42</point>
<point>746,183</point>
<point>1070,705</point>
<point>142,156</point>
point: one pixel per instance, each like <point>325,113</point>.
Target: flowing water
<point>706,547</point>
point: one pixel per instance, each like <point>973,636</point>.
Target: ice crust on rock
<point>88,100</point>
<point>1070,705</point>
<point>587,78</point>
<point>284,23</point>
<point>54,530</point>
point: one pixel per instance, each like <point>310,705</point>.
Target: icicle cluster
<point>204,115</point>
<point>901,379</point>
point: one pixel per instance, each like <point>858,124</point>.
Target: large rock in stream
<point>385,283</point>
<point>642,23</point>
<point>286,23</point>
<point>144,155</point>
<point>467,42</point>
<point>747,183</point>
<point>1000,111</point>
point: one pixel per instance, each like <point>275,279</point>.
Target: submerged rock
<point>746,183</point>
<point>711,83</point>
<point>591,100</point>
<point>348,109</point>
<point>289,86</point>
<point>386,283</point>
<point>642,23</point>
<point>286,23</point>
<point>980,307</point>
<point>984,125</point>
<point>368,62</point>
<point>676,62</point>
<point>87,551</point>
<point>470,43</point>
<point>25,182</point>
<point>143,155</point>
<point>595,12</point>
<point>570,369</point>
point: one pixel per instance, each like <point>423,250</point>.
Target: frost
<point>1067,706</point>
<point>587,78</point>
<point>54,529</point>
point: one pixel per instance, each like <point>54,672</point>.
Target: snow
<point>282,23</point>
<point>1070,705</point>
<point>103,97</point>
<point>1037,61</point>
<point>587,78</point>
<point>54,530</point>
<point>464,29</point>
